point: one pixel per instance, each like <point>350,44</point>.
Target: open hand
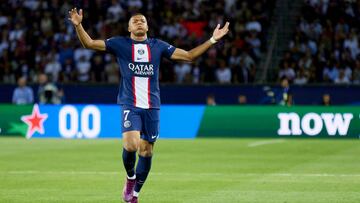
<point>75,17</point>
<point>219,33</point>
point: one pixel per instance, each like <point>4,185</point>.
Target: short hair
<point>136,14</point>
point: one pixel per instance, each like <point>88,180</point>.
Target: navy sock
<point>142,171</point>
<point>129,159</point>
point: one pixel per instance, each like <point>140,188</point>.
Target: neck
<point>138,38</point>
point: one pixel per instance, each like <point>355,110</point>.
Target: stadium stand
<point>325,46</point>
<point>36,37</point>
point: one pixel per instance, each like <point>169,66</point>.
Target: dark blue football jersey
<point>139,67</point>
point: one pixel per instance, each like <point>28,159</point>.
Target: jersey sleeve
<point>167,49</point>
<point>110,44</point>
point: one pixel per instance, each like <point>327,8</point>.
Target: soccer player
<point>139,94</point>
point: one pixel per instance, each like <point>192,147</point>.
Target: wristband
<point>212,40</point>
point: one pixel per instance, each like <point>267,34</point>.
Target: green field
<point>201,170</point>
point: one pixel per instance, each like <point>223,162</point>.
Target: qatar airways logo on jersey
<point>142,69</point>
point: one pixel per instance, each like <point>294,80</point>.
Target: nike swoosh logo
<point>153,137</point>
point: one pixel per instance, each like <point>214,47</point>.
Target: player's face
<point>138,25</point>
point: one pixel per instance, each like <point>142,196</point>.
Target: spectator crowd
<point>325,47</point>
<point>37,38</point>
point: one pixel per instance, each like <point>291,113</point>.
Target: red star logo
<point>35,122</point>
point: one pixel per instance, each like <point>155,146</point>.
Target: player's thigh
<point>131,127</point>
<point>131,140</point>
<point>151,125</point>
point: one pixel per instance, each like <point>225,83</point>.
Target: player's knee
<point>130,146</point>
<point>146,151</point>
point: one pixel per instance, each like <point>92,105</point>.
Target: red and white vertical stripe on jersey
<point>149,96</point>
<point>149,51</point>
<point>141,53</point>
<point>133,90</point>
<point>141,91</point>
<point>132,52</point>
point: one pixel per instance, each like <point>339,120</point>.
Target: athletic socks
<point>129,159</point>
<point>142,171</point>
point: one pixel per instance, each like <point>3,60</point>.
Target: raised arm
<point>183,55</point>
<point>84,38</point>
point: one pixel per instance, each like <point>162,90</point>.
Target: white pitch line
<point>64,172</point>
<point>314,175</point>
<point>266,142</point>
<point>178,174</point>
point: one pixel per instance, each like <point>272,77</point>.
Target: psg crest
<point>141,51</point>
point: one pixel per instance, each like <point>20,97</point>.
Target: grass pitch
<point>201,170</point>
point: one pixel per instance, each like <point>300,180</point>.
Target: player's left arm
<point>190,56</point>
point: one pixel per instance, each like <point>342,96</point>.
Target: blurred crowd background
<point>38,44</point>
<point>325,46</point>
<point>36,37</point>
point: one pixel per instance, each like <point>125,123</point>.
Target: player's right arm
<point>84,38</point>
<point>190,56</point>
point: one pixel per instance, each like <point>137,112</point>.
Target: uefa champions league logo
<point>141,51</point>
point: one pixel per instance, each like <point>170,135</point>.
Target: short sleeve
<point>110,44</point>
<point>167,49</point>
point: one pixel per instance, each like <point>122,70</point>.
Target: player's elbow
<point>96,45</point>
<point>87,46</point>
<point>184,56</point>
<point>190,58</point>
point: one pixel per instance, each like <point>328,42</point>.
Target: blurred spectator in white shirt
<point>23,94</point>
<point>182,71</point>
<point>83,70</point>
<point>330,73</point>
<point>287,71</point>
<point>351,42</point>
<point>301,78</point>
<point>82,52</point>
<point>53,68</point>
<point>223,73</point>
<point>253,25</point>
<point>115,12</point>
<point>342,79</point>
<point>112,71</point>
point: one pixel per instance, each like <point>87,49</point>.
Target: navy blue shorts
<point>146,121</point>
